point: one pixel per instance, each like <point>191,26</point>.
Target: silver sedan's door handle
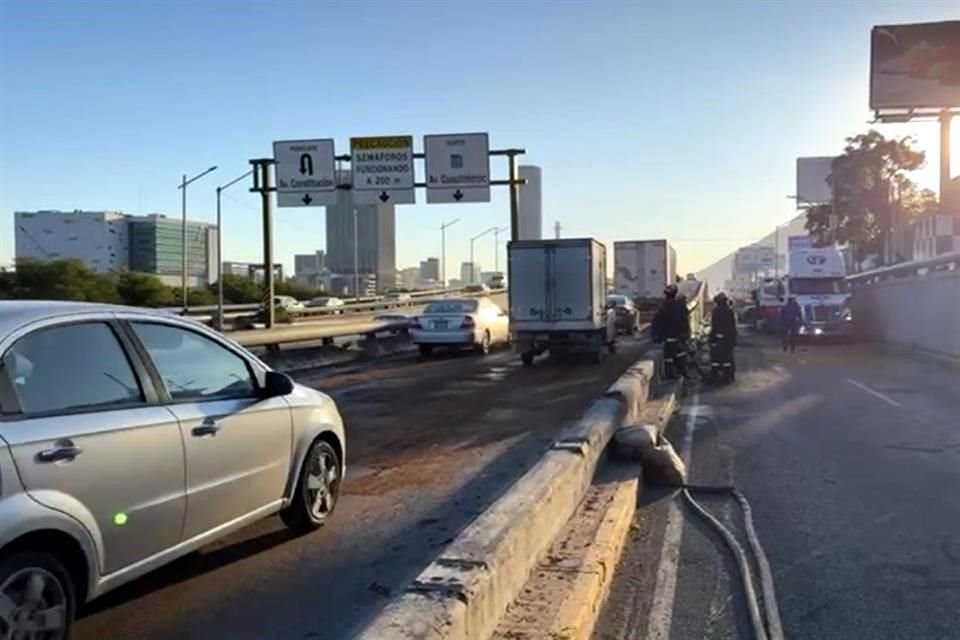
<point>208,429</point>
<point>61,450</point>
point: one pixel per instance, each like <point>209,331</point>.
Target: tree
<point>869,185</point>
<point>144,290</point>
<point>298,290</point>
<point>240,290</point>
<point>200,297</point>
<point>67,279</point>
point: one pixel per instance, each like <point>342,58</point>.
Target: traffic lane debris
<point>432,444</point>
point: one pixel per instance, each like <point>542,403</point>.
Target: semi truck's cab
<point>817,279</point>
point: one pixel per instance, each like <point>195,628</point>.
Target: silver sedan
<point>130,438</point>
<point>460,322</point>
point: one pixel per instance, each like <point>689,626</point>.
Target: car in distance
<point>459,323</point>
<point>129,438</point>
<point>325,302</point>
<point>397,296</point>
<point>288,304</point>
<point>627,316</point>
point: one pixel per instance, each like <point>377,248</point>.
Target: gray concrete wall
<point>921,312</point>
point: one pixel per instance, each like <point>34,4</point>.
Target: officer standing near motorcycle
<point>671,327</point>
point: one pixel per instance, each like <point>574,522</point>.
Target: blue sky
<point>650,119</point>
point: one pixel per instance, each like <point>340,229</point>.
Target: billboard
<point>753,258</point>
<point>813,181</point>
<point>915,66</point>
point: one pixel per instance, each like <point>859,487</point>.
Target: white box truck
<point>642,268</point>
<point>558,298</point>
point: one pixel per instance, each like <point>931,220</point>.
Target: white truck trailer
<point>558,298</point>
<point>642,268</point>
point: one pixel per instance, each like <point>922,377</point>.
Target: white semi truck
<point>558,298</point>
<point>643,268</point>
<point>817,279</point>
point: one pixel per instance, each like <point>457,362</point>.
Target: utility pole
<point>220,189</point>
<point>473,266</point>
<point>183,231</point>
<point>263,184</point>
<point>443,250</point>
<point>556,229</point>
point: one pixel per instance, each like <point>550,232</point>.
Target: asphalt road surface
<point>850,457</point>
<point>430,445</point>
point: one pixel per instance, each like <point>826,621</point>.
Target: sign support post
<point>262,184</point>
<point>514,194</point>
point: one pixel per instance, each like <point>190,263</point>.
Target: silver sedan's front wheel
<point>36,598</point>
<point>318,489</point>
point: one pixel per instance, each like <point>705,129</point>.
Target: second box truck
<point>558,298</point>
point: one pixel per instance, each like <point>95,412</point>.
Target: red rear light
<point>467,323</point>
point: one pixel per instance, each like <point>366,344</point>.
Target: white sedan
<point>460,322</point>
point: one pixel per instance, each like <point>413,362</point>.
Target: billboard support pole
<point>945,117</point>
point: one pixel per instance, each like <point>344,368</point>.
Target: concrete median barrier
<point>465,591</point>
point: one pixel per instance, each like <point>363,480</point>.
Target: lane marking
<point>665,588</point>
<point>875,394</point>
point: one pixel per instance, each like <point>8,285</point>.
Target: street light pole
<point>443,250</point>
<point>220,189</point>
<point>356,258</point>
<point>473,266</point>
<point>496,247</point>
<point>183,232</point>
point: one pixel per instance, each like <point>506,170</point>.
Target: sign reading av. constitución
<point>457,167</point>
<point>305,173</point>
<point>382,170</point>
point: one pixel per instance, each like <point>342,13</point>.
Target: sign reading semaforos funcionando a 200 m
<point>305,173</point>
<point>382,170</point>
<point>457,167</point>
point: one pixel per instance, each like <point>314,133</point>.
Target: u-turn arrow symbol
<point>306,164</point>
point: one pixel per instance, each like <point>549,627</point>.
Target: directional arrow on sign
<point>306,164</point>
<point>384,196</point>
<point>458,195</point>
<point>307,199</point>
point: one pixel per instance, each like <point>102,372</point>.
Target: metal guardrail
<point>312,332</point>
<point>366,304</point>
<point>916,268</point>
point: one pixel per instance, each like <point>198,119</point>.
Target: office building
<point>252,270</point>
<point>156,244</point>
<point>409,278</point>
<point>430,269</point>
<point>99,239</point>
<point>309,268</point>
<point>469,272</point>
<point>108,241</point>
<point>375,238</point>
<point>307,264</point>
<point>530,207</point>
